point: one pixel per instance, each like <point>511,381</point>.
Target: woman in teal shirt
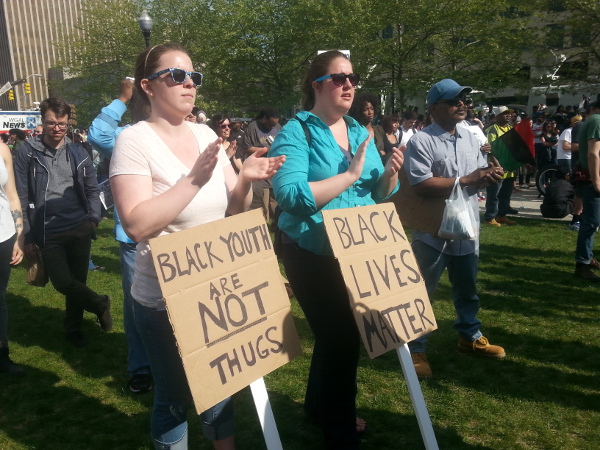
<point>331,163</point>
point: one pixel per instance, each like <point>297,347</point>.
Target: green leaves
<point>254,52</point>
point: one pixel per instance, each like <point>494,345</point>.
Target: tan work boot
<point>493,223</point>
<point>422,366</point>
<point>505,220</point>
<point>480,347</point>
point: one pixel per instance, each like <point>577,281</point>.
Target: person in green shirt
<point>589,158</point>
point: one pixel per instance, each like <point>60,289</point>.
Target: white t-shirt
<point>406,135</point>
<point>564,136</point>
<point>140,151</point>
<point>476,130</point>
<point>7,223</point>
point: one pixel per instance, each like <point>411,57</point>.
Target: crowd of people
<point>335,153</point>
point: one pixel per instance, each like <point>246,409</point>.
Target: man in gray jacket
<point>57,186</point>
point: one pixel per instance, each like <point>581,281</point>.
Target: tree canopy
<point>254,52</point>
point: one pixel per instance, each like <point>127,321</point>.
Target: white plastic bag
<point>458,221</point>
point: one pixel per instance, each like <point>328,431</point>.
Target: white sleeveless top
<point>7,223</point>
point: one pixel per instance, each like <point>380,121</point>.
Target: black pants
<point>331,391</point>
<point>66,257</point>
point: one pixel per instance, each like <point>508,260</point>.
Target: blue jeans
<point>497,201</point>
<point>462,271</point>
<point>491,201</point>
<point>137,360</point>
<point>590,220</point>
<point>172,396</point>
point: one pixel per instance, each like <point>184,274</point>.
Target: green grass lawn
<point>544,395</point>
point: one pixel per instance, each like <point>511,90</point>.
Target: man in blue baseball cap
<point>445,90</point>
<point>435,158</point>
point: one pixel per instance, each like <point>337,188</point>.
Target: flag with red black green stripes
<point>515,147</point>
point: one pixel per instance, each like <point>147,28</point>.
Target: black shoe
<point>585,271</point>
<point>77,338</point>
<point>9,367</point>
<point>105,319</point>
<point>140,383</point>
<point>513,211</point>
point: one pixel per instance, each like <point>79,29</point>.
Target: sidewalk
<point>526,201</point>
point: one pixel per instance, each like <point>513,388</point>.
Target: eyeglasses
<point>61,126</point>
<point>339,79</point>
<point>453,101</point>
<point>224,125</point>
<point>179,76</point>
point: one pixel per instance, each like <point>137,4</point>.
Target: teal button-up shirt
<point>301,219</point>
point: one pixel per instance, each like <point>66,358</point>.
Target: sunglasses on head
<point>453,101</point>
<point>179,76</point>
<point>339,79</point>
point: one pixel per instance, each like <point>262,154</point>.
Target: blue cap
<point>445,90</point>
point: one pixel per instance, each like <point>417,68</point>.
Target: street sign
<point>5,88</point>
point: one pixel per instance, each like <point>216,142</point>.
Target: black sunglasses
<point>339,79</point>
<point>454,101</point>
<point>179,76</point>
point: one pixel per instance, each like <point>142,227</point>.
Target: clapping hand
<point>205,164</point>
<point>256,168</point>
<point>395,160</point>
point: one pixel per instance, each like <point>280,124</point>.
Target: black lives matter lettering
<point>380,325</point>
<point>374,228</point>
<point>385,273</point>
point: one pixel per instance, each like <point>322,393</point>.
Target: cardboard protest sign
<point>227,304</point>
<point>387,292</point>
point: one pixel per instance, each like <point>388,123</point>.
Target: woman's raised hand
<point>356,166</point>
<point>256,168</point>
<point>205,164</point>
<point>395,161</point>
<point>231,149</point>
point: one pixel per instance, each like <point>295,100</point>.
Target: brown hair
<point>57,105</point>
<point>317,69</point>
<point>145,65</point>
<point>217,120</point>
<point>387,123</point>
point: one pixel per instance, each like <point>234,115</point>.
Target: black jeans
<point>331,391</point>
<point>66,257</point>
